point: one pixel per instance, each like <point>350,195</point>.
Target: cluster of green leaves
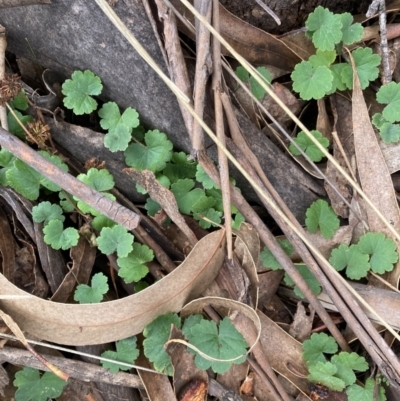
<point>152,151</point>
<point>319,76</point>
<point>319,216</point>
<point>221,341</point>
<point>374,251</point>
<point>256,89</point>
<point>126,352</point>
<point>387,122</point>
<point>339,372</point>
<point>32,386</point>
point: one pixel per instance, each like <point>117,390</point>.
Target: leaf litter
<point>276,349</point>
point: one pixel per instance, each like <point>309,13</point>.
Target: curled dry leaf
<point>111,321</point>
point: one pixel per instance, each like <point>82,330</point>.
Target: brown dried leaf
<point>112,321</point>
<point>83,256</point>
<point>189,381</point>
<point>255,45</point>
<point>374,175</point>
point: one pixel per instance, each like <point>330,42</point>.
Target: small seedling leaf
<point>382,251</point>
<point>157,334</point>
<point>390,95</point>
<point>111,117</point>
<point>204,178</point>
<point>14,126</point>
<point>126,352</point>
<point>352,259</point>
<point>57,237</point>
<point>237,221</point>
<point>323,58</point>
<point>20,101</point>
<point>269,261</point>
<point>321,215</point>
<point>152,156</point>
<point>115,239</point>
<point>256,89</point>
<point>32,386</point>
<point>326,28</point>
<point>324,373</point>
<point>79,91</point>
<point>390,133</point>
<point>366,65</point>
<point>132,267</point>
<point>316,346</point>
<point>242,73</point>
<point>308,146</point>
<point>185,194</point>
<point>367,393</point>
<point>310,82</point>
<point>46,211</point>
<point>351,33</point>
<point>211,214</point>
<point>100,180</point>
<point>223,342</point>
<point>85,294</point>
<point>117,139</point>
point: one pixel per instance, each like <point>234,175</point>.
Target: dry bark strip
<point>70,184</point>
<point>75,369</point>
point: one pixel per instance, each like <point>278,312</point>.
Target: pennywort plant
<point>338,371</point>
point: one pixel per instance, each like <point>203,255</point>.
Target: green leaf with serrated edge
<point>79,91</point>
<point>157,334</point>
<point>316,346</point>
<point>31,386</point>
<point>152,156</point>
<point>382,251</point>
<point>237,221</point>
<point>203,203</point>
<point>152,207</point>
<point>118,139</point>
<point>242,73</point>
<point>378,120</point>
<point>20,101</point>
<point>177,172</point>
<point>310,82</point>
<point>101,221</point>
<point>322,58</point>
<point>390,94</point>
<point>346,364</point>
<point>390,133</point>
<point>321,215</point>
<point>326,28</point>
<point>256,89</point>
<point>211,214</point>
<point>366,64</point>
<point>126,352</point>
<point>13,125</point>
<point>324,373</point>
<point>337,83</point>
<point>190,322</point>
<point>132,267</point>
<point>351,33</point>
<point>93,294</point>
<point>111,117</point>
<point>204,178</point>
<point>308,276</point>
<point>185,194</point>
<point>46,211</point>
<point>24,179</point>
<point>100,180</point>
<point>140,286</point>
<point>367,393</point>
<point>115,239</point>
<point>308,146</point>
<point>57,237</point>
<point>223,342</point>
<point>269,261</point>
<point>352,259</point>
